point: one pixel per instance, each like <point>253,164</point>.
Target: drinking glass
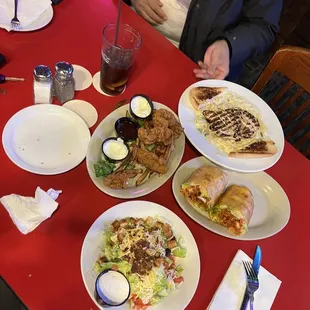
<point>117,57</point>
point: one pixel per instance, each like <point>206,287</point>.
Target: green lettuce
<point>179,252</point>
<point>103,168</point>
<point>123,266</point>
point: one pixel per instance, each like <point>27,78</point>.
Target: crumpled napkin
<point>27,213</point>
<point>27,12</point>
<point>229,294</point>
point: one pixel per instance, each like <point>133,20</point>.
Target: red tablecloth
<point>43,267</point>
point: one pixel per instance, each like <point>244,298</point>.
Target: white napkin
<point>229,294</point>
<point>28,213</point>
<point>27,12</point>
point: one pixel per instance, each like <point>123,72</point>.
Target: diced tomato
<point>114,267</point>
<point>178,280</point>
<point>139,305</point>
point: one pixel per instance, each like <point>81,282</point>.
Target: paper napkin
<point>28,11</point>
<point>229,294</point>
<point>27,213</point>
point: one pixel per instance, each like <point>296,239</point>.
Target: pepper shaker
<point>42,84</point>
<point>64,85</point>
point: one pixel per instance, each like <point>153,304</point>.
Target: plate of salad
<point>152,247</point>
<point>129,156</point>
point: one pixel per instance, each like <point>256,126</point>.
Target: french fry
<point>124,163</point>
<point>143,176</point>
<point>168,152</point>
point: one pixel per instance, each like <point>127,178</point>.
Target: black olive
<point>168,252</point>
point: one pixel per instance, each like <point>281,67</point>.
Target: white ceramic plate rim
<point>284,204</point>
<point>198,140</point>
<point>45,108</point>
<point>131,207</point>
<point>43,20</point>
<point>150,185</point>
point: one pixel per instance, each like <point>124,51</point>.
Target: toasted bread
<point>199,95</point>
<point>256,150</point>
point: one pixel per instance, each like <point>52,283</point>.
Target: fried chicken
<point>160,149</point>
<point>119,179</point>
<point>156,135</point>
<point>152,161</point>
<point>165,119</point>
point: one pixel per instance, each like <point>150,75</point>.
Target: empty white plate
<point>44,19</point>
<point>271,205</point>
<point>92,244</point>
<point>46,139</point>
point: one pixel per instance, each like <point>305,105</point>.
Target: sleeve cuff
<point>228,43</point>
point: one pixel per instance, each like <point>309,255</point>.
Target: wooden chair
<point>294,63</point>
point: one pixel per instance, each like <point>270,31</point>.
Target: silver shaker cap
<point>42,73</point>
<point>64,69</point>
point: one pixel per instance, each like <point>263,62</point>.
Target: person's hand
<point>150,10</point>
<point>216,62</point>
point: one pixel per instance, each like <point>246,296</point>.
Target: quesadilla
<point>204,187</point>
<point>200,95</point>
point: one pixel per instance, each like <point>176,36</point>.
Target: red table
<point>43,267</point>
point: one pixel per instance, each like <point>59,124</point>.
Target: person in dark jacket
<point>219,35</point>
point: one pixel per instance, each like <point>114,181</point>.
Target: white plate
<point>43,20</point>
<point>46,139</point>
<point>271,205</point>
<point>179,299</point>
<point>105,130</point>
<point>187,117</point>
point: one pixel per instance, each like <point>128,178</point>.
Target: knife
<point>257,259</point>
<point>256,265</point>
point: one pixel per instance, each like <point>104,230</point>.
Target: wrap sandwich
<point>204,187</point>
<point>234,209</point>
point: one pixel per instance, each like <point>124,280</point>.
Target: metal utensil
<point>252,286</point>
<point>257,259</point>
<point>121,103</point>
<point>15,21</point>
<point>256,265</point>
<point>118,21</point>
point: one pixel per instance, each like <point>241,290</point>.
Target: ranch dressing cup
<point>112,289</point>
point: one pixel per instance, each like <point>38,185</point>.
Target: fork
<point>252,286</point>
<point>15,21</point>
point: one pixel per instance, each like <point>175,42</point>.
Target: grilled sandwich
<point>200,95</point>
<point>257,149</point>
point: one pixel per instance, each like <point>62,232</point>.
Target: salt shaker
<point>64,85</point>
<point>42,84</point>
